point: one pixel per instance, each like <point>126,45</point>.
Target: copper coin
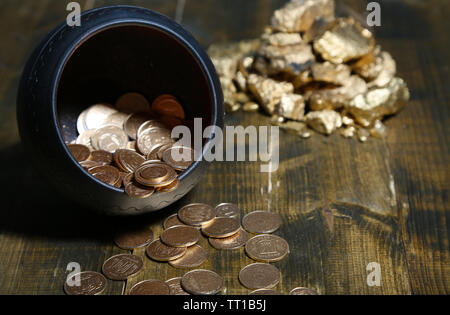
<point>175,286</point>
<point>170,121</point>
<point>180,236</point>
<point>172,221</point>
<point>169,188</point>
<point>107,174</point>
<point>229,243</point>
<point>123,266</point>
<point>227,210</point>
<point>153,155</point>
<point>163,97</point>
<point>150,287</point>
<point>303,291</point>
<point>162,149</point>
<point>118,183</point>
<point>134,238</point>
<point>265,292</point>
<point>128,178</point>
<point>202,282</point>
<point>155,174</point>
<point>133,123</point>
<point>87,165</point>
<point>267,248</point>
<point>101,157</point>
<point>91,283</point>
<point>221,227</point>
<point>136,190</point>
<point>180,158</point>
<point>128,160</point>
<point>261,222</point>
<point>132,103</point>
<point>159,251</point>
<point>168,106</point>
<point>79,152</point>
<point>259,276</point>
<point>194,257</point>
<point>196,214</point>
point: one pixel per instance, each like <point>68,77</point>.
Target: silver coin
<point>97,114</point>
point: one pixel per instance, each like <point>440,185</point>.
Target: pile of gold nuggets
<point>312,70</point>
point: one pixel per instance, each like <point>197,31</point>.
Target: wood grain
<point>343,204</point>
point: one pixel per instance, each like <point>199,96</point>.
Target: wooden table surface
<point>387,199</point>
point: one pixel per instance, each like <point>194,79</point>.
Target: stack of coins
<point>178,246</point>
<point>129,145</point>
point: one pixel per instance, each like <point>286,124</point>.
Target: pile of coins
<point>311,70</point>
<point>129,145</point>
<point>177,245</point>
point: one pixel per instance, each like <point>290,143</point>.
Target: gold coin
<point>132,103</point>
<point>102,157</point>
<point>261,222</point>
<point>180,236</point>
<point>221,227</point>
<point>106,173</point>
<point>196,214</point>
<point>159,251</point>
<point>267,248</point>
<point>194,257</point>
<point>172,221</point>
<point>175,286</point>
<point>229,243</point>
<point>79,152</point>
<point>259,276</point>
<point>202,282</point>
<point>150,287</point>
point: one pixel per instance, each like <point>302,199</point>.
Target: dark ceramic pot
<point>116,50</point>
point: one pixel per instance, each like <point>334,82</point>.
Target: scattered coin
<point>267,248</point>
<point>150,287</point>
<point>180,236</point>
<point>261,222</point>
<point>202,282</point>
<point>91,283</point>
<point>106,173</point>
<point>159,251</point>
<point>175,286</point>
<point>172,221</point>
<point>123,266</point>
<point>259,276</point>
<point>265,292</point>
<point>79,152</point>
<point>227,210</point>
<point>303,291</point>
<point>196,214</point>
<point>134,238</point>
<point>221,227</point>
<point>102,157</point>
<point>229,243</point>
<point>194,257</point>
<point>132,103</point>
